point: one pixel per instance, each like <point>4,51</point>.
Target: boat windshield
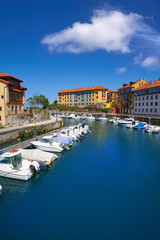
<point>45,140</point>
<point>5,160</point>
<point>16,161</point>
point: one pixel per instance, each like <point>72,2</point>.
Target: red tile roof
<point>16,90</point>
<point>151,84</point>
<point>127,85</point>
<point>6,75</point>
<point>6,82</point>
<point>83,89</point>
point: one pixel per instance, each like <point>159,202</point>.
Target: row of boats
<point>128,122</point>
<point>131,123</point>
<point>22,164</point>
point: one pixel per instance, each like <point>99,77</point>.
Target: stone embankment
<point>37,115</point>
<point>10,134</point>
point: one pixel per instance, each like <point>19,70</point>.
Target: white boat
<point>125,121</point>
<point>67,133</point>
<point>134,123</point>
<point>102,118</point>
<point>43,158</point>
<point>83,117</point>
<point>48,145</point>
<point>12,165</point>
<point>90,117</point>
<point>152,129</point>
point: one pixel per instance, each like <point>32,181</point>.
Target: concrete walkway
<point>52,120</point>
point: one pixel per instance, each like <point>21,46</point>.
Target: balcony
<point>16,102</point>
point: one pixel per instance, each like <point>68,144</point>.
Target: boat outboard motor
<point>33,169</point>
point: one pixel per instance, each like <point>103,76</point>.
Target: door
<point>15,109</point>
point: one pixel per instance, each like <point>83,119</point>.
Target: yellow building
<point>12,97</point>
<point>83,96</point>
<point>111,95</point>
<point>127,95</point>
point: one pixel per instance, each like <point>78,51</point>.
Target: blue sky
<point>60,44</point>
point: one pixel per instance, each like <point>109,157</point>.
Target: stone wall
<point>7,135</point>
<point>37,115</point>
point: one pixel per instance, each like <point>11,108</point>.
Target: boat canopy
<point>61,139</point>
<point>140,125</point>
<point>83,125</point>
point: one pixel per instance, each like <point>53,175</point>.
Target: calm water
<point>106,187</point>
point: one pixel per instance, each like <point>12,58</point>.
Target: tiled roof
<point>113,91</point>
<point>6,75</point>
<point>131,84</point>
<point>6,82</point>
<point>83,89</point>
<point>151,84</point>
<point>21,87</point>
<point>16,90</point>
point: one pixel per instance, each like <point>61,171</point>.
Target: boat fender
<point>33,169</point>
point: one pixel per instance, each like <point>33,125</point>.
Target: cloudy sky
<point>55,45</point>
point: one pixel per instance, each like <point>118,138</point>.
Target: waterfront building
<point>147,99</point>
<point>127,95</point>
<point>12,97</point>
<point>83,96</point>
<point>111,95</point>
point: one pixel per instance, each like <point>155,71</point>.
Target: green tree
<point>38,100</point>
<point>55,102</point>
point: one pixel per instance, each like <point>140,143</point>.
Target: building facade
<point>147,99</point>
<point>12,97</point>
<point>126,94</point>
<point>83,96</point>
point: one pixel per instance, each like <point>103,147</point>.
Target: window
<point>135,104</point>
<point>139,104</point>
<point>155,110</point>
<point>139,109</point>
<point>151,110</point>
<point>151,97</point>
<point>0,108</point>
<point>156,103</point>
<point>135,99</point>
<point>151,103</point>
<point>143,104</point>
<point>146,109</point>
<point>2,97</point>
<point>135,109</point>
<point>146,103</point>
<point>142,109</point>
<point>156,97</point>
<point>147,98</point>
<point>12,108</point>
<point>19,108</point>
<point>142,98</point>
<point>0,118</point>
<point>139,98</point>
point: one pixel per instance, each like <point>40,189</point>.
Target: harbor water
<point>106,187</point>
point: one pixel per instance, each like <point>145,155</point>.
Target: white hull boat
<point>13,166</point>
<point>48,145</point>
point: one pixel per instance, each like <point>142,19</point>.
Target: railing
<point>17,102</point>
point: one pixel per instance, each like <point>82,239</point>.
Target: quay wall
<point>7,135</point>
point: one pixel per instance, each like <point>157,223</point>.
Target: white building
<point>147,99</point>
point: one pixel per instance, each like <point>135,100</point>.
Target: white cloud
<point>147,62</point>
<point>108,30</point>
<point>150,61</point>
<point>121,70</point>
<point>112,31</point>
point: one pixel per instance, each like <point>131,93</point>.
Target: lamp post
<point>149,120</point>
<point>35,132</point>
